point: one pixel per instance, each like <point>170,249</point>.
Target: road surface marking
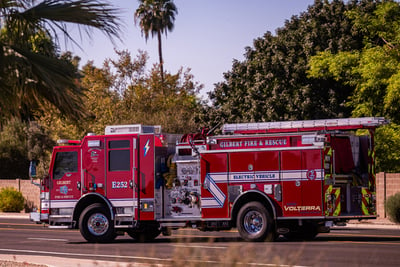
<point>37,230</point>
<point>345,231</point>
<point>366,242</point>
<point>47,239</point>
<point>81,254</point>
<point>198,246</point>
<point>22,224</point>
<point>362,235</point>
<point>132,257</point>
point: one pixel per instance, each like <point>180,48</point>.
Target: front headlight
<point>44,195</point>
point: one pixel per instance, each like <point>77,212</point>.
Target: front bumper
<point>38,217</point>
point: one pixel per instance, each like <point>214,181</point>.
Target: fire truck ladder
<point>304,126</point>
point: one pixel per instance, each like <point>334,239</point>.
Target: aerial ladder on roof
<point>305,125</point>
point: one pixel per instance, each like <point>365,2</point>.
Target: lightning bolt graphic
<point>146,147</point>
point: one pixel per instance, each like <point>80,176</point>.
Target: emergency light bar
<point>66,141</point>
<point>306,125</point>
<point>133,128</point>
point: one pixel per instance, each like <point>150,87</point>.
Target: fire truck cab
<point>294,178</point>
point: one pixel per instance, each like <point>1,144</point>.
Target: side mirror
<point>32,168</point>
<point>32,171</point>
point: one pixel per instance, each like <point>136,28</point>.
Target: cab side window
<point>66,162</point>
<point>119,156</point>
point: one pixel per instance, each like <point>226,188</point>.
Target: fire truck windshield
<point>66,162</point>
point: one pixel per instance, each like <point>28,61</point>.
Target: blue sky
<point>208,34</point>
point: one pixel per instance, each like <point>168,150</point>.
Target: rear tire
<point>306,232</point>
<point>255,224</point>
<point>95,224</point>
<point>149,233</point>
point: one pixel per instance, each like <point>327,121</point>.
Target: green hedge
<point>11,200</point>
<point>393,208</point>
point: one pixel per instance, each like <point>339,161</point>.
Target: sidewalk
<point>380,223</point>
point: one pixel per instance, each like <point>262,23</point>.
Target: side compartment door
<point>301,176</point>
<point>214,189</point>
<point>267,173</point>
<point>312,177</point>
<point>146,176</point>
<point>291,176</point>
<point>241,168</point>
<point>65,183</point>
<point>120,174</point>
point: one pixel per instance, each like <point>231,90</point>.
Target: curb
<point>366,226</point>
<point>369,226</point>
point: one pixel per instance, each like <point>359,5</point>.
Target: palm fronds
<point>32,74</point>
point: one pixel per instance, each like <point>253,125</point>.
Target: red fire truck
<point>292,178</point>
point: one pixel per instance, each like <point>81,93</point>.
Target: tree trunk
<point>161,61</point>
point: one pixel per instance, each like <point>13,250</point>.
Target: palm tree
<point>156,17</point>
<point>33,75</point>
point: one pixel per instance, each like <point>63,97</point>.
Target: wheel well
<point>88,200</point>
<point>249,197</point>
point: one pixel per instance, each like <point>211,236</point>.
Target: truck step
<point>124,226</point>
<point>59,226</point>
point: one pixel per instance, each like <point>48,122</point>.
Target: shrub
<point>393,208</point>
<point>11,200</point>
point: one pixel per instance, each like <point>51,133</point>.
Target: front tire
<point>255,224</point>
<point>95,224</point>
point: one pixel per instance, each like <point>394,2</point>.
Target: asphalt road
<point>342,247</point>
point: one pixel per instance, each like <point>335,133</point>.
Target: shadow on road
<point>173,239</point>
<point>333,236</point>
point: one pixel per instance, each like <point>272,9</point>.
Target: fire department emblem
<point>64,190</point>
<point>311,175</point>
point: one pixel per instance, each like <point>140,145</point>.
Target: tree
<point>21,142</point>
<point>129,94</point>
<point>373,74</point>
<point>13,156</point>
<point>173,104</point>
<point>374,70</point>
<point>39,146</point>
<point>32,74</point>
<point>102,98</point>
<point>272,83</point>
<point>156,17</point>
<point>122,91</point>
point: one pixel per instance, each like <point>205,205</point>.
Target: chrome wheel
<point>98,224</point>
<point>253,222</point>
